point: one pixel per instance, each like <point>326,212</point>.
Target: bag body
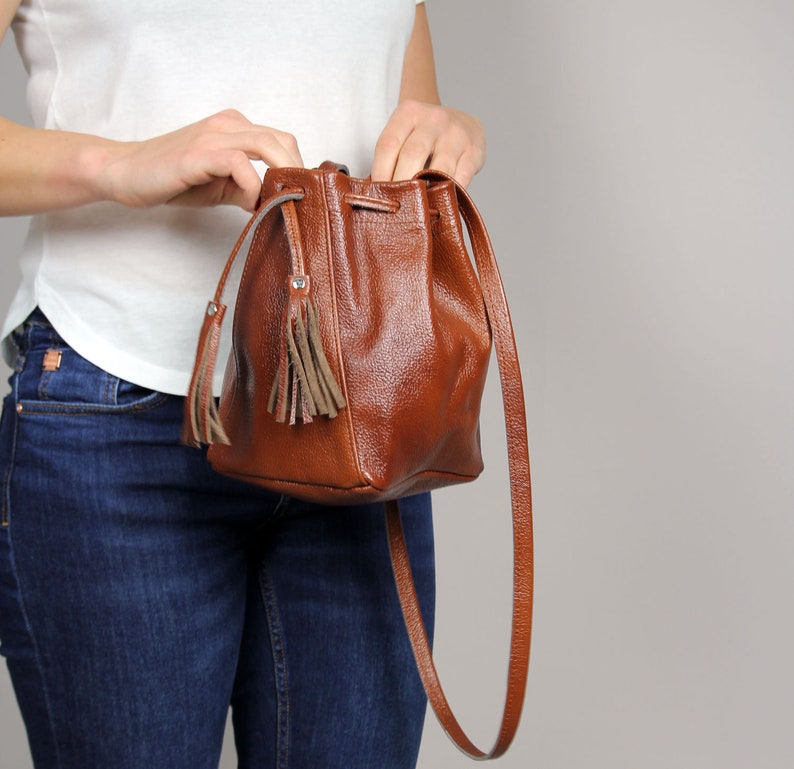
<point>402,325</point>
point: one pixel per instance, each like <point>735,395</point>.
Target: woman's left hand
<point>420,135</point>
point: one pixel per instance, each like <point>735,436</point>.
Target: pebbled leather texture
<point>406,327</point>
<point>403,326</point>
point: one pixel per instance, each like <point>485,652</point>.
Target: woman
<point>141,594</point>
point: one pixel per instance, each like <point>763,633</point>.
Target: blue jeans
<point>142,594</point>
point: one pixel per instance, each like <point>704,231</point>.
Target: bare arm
<point>203,164</point>
<point>421,132</point>
<point>7,10</point>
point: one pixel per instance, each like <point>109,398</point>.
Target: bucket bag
<point>361,339</point>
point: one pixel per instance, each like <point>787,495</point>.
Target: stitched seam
<point>4,520</point>
<point>347,415</point>
<point>6,506</point>
<point>21,601</point>
<point>279,665</point>
<point>44,385</point>
<point>108,378</point>
<point>295,245</point>
<point>52,109</point>
<point>81,410</point>
<point>430,473</point>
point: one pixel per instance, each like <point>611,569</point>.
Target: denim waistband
<point>38,317</point>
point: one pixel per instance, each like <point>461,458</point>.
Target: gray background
<point>640,191</point>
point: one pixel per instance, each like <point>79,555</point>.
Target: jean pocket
<point>56,379</point>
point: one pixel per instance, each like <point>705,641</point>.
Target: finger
<point>391,140</point>
<point>232,195</point>
<point>276,148</point>
<point>387,150</point>
<point>450,147</point>
<point>288,150</point>
<point>230,129</point>
<point>463,173</point>
<point>213,193</point>
<point>416,151</point>
<point>207,181</point>
<point>247,181</point>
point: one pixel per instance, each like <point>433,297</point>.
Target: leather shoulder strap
<point>520,490</point>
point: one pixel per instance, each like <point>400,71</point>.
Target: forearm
<point>45,170</point>
<point>206,163</point>
<point>419,67</point>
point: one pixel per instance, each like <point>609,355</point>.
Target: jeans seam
<point>49,408</point>
<point>6,489</point>
<point>44,386</point>
<point>279,663</point>
<point>4,509</point>
<point>111,389</point>
<point>23,610</point>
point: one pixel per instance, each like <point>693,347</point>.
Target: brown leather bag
<point>361,341</point>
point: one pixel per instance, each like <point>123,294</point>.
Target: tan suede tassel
<point>304,386</point>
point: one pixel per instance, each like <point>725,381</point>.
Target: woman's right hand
<point>203,164</point>
<point>207,163</point>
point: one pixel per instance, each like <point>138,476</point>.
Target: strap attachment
<point>201,423</point>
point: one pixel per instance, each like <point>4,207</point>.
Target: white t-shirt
<point>128,288</point>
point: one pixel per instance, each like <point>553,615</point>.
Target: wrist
<point>101,171</point>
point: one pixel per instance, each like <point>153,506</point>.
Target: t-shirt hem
<point>94,348</point>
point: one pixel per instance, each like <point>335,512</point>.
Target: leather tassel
<point>304,386</point>
<point>302,405</point>
<point>205,425</point>
<point>332,393</point>
<point>278,404</point>
<point>308,371</point>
